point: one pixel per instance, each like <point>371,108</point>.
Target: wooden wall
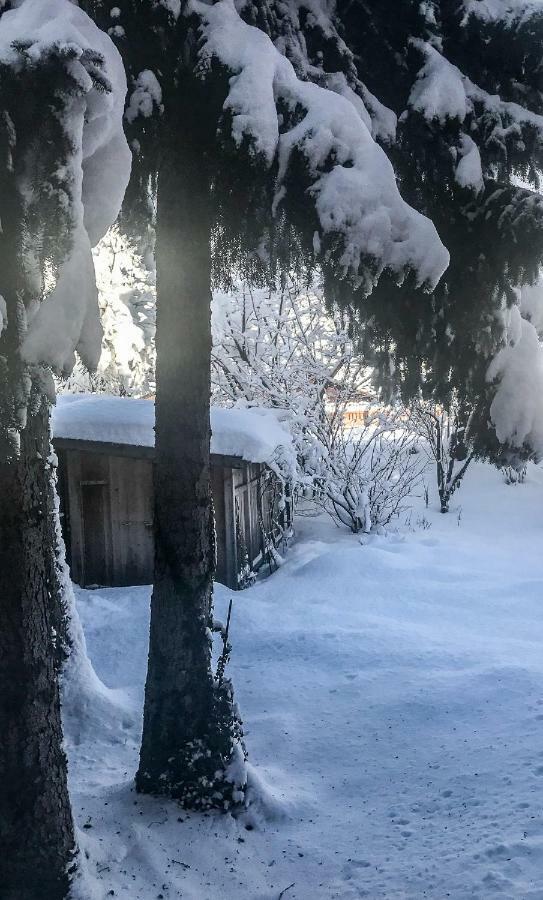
<point>261,520</point>
<point>107,512</point>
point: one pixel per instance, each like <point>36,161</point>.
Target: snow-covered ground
<point>393,701</point>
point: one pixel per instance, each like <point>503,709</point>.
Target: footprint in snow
<point>352,867</point>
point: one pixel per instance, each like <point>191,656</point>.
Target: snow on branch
<point>517,370</point>
<point>93,174</point>
<point>508,12</point>
<point>352,184</point>
<point>277,349</point>
<point>442,92</point>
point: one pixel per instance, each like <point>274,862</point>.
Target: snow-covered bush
<point>446,439</point>
<point>514,474</point>
<point>278,349</point>
<point>363,476</point>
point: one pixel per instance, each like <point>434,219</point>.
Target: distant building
<point>105,448</point>
<point>357,410</point>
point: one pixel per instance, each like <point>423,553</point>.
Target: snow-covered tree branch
<point>320,146</point>
<point>278,349</point>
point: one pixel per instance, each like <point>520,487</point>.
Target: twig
<point>223,659</point>
<point>283,892</point>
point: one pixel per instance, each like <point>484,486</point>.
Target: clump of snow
<point>256,435</point>
<point>146,96</point>
<point>173,6</point>
<point>384,121</point>
<point>99,167</point>
<point>68,318</point>
<point>439,91</point>
<point>3,314</point>
<point>253,434</point>
<point>380,121</point>
<point>358,199</point>
<point>517,408</point>
<point>506,11</point>
<point>443,92</point>
<point>469,171</point>
<point>531,303</point>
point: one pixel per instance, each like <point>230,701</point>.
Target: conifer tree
<point>55,107</point>
<point>261,164</point>
<point>464,82</point>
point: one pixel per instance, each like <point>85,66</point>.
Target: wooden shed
<point>105,449</point>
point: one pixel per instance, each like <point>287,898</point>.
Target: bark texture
<point>188,732</point>
<point>36,830</point>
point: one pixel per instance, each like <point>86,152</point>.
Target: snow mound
<point>89,708</point>
<point>262,803</point>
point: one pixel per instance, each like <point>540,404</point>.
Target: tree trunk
<point>190,732</point>
<point>36,831</point>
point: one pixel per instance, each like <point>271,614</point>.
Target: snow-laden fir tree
<point>463,81</point>
<point>516,410</point>
<point>260,165</point>
<point>64,164</point>
<point>125,278</point>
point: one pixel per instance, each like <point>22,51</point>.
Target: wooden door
<point>95,557</point>
<point>131,498</point>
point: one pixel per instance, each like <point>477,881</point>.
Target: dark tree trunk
<point>36,831</point>
<point>189,730</point>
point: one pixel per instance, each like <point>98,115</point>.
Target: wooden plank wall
<point>131,510</point>
<point>219,506</point>
<point>109,512</point>
<point>107,504</point>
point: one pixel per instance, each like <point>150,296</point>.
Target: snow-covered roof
<point>254,435</point>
